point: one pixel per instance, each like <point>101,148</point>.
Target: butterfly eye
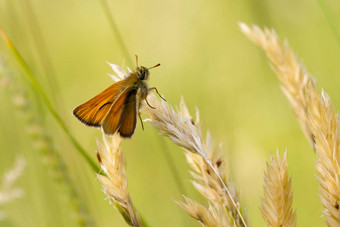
<point>141,75</point>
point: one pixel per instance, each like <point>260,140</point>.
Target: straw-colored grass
<point>276,205</point>
<point>114,182</point>
<point>324,125</point>
<point>209,217</point>
<point>315,112</point>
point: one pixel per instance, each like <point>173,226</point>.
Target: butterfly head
<point>143,73</point>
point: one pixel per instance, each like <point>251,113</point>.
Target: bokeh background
<point>204,58</point>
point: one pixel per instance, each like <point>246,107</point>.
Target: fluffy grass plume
<point>206,216</point>
<point>324,124</point>
<point>208,165</point>
<point>315,112</point>
<point>114,183</point>
<point>276,205</point>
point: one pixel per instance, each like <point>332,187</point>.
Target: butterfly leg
<point>141,120</point>
<point>146,100</point>
<point>154,88</point>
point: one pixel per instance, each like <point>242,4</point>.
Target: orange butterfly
<point>116,108</point>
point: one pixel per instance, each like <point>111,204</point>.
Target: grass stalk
<point>114,183</point>
<point>184,132</point>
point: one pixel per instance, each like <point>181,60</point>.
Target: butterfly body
<point>116,108</point>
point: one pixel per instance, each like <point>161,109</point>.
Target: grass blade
<point>39,90</point>
<point>115,31</point>
<point>330,19</point>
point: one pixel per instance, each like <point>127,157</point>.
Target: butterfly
<point>116,108</point>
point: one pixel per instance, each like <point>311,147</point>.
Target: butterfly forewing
<point>114,118</point>
<point>94,111</point>
<point>129,118</point>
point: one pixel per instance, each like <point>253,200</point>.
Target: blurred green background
<point>204,58</point>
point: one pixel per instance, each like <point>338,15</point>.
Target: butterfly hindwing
<point>115,116</point>
<point>129,118</point>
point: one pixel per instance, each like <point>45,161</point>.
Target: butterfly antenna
<point>154,66</point>
<point>136,60</point>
